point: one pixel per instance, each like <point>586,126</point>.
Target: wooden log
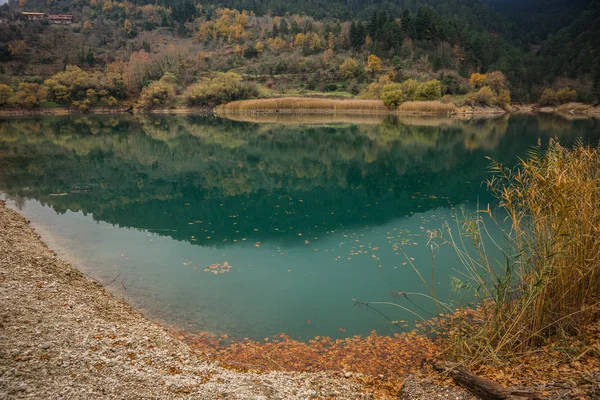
<point>482,387</point>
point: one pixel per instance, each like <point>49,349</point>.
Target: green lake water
<point>309,215</point>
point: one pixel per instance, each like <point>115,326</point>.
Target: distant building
<point>33,15</point>
<point>60,18</point>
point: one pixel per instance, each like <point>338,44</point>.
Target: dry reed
<point>303,105</point>
<point>549,286</point>
<point>427,107</point>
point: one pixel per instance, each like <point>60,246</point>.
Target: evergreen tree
<point>295,27</point>
<point>283,27</point>
<point>408,25</point>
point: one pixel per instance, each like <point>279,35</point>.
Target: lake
<point>256,227</point>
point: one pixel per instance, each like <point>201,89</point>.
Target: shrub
<point>484,97</point>
<point>373,91</point>
<point>158,93</point>
<point>503,99</point>
<point>223,88</point>
<point>5,94</point>
<point>392,95</point>
<point>28,95</point>
<point>430,90</point>
<point>409,87</point>
<point>549,98</point>
<point>566,95</point>
<point>72,85</point>
<point>349,68</point>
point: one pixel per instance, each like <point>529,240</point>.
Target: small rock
<point>348,375</point>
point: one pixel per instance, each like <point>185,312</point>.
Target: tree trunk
<point>483,387</point>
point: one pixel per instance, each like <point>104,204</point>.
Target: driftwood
<point>483,387</point>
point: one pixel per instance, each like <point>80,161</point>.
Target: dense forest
<point>171,52</point>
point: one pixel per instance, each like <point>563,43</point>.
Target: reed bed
<point>549,286</point>
<point>427,107</point>
<point>303,105</point>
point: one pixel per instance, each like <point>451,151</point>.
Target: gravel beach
<point>63,336</point>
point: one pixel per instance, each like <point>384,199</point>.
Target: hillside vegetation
<point>176,53</point>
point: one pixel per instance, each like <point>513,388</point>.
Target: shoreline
<point>62,334</point>
<point>579,110</point>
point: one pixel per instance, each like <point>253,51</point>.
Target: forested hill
<point>299,47</point>
<point>539,18</point>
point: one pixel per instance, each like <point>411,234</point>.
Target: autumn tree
<point>28,94</point>
<point>128,27</point>
<point>477,80</point>
<point>300,40</point>
<point>330,41</point>
<point>87,26</point>
<point>107,6</point>
<point>373,64</point>
<point>5,94</point>
<point>276,44</point>
<point>349,68</point>
<point>496,80</point>
<point>315,42</point>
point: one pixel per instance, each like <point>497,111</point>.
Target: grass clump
<point>549,287</point>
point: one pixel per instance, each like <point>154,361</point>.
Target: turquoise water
<point>301,217</point>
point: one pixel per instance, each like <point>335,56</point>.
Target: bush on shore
<point>550,97</point>
<point>158,93</point>
<point>223,88</point>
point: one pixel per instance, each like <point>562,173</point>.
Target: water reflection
<point>272,199</point>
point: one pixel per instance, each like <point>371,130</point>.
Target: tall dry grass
<point>427,107</point>
<point>549,286</point>
<point>303,105</point>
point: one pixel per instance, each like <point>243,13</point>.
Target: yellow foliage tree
<point>374,64</point>
<point>107,6</point>
<point>239,51</point>
<point>127,26</point>
<point>300,40</point>
<point>477,80</point>
<point>87,26</point>
<point>5,93</point>
<point>276,44</point>
<point>259,47</point>
<point>331,41</point>
<point>315,42</point>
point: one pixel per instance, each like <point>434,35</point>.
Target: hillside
<point>278,50</point>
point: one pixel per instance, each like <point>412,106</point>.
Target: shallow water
<point>307,215</point>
